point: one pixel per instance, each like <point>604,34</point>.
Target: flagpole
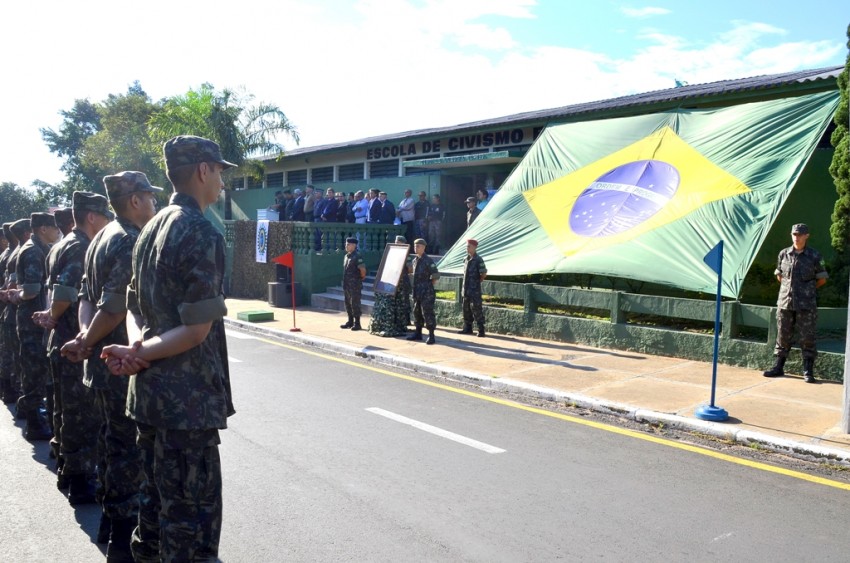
<point>712,412</point>
<point>292,281</point>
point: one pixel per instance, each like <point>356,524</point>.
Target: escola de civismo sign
<point>506,137</point>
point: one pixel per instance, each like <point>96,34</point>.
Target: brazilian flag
<point>646,197</point>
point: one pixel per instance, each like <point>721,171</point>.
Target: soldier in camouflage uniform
<point>353,272</point>
<point>474,272</point>
<point>20,230</point>
<point>180,396</point>
<point>31,297</point>
<point>425,275</point>
<point>9,245</point>
<point>800,272</point>
<point>76,419</point>
<point>102,312</point>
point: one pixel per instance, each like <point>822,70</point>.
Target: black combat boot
<point>349,324</point>
<point>416,335</point>
<point>36,428</point>
<point>778,368</point>
<point>809,370</point>
<point>103,529</point>
<point>81,489</point>
<point>118,550</point>
<point>430,336</point>
<point>467,329</point>
<point>62,480</point>
<point>356,325</point>
<point>481,333</point>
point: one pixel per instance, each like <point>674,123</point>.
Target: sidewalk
<point>784,414</point>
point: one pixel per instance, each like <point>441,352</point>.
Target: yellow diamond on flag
<point>615,199</point>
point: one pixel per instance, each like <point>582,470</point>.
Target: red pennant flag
<point>287,259</point>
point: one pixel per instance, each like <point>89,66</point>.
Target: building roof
<point>739,87</point>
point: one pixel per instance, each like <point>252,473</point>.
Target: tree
<point>123,143</point>
<point>80,122</point>
<point>18,202</point>
<point>840,166</point>
<point>242,130</point>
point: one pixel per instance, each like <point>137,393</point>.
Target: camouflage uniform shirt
<point>8,315</point>
<point>178,272</point>
<point>799,272</point>
<point>473,269</point>
<point>31,275</point>
<point>108,269</point>
<point>424,270</point>
<point>64,276</point>
<point>351,271</point>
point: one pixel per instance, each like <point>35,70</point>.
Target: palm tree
<point>243,131</point>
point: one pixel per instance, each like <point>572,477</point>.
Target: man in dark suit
<point>387,209</point>
<point>297,207</point>
<point>375,206</point>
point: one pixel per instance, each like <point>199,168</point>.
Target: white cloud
<point>343,73</point>
<point>646,12</point>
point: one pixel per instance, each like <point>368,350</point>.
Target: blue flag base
<point>714,414</point>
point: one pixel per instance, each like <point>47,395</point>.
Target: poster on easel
<point>393,266</point>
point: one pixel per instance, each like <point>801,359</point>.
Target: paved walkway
<point>782,413</point>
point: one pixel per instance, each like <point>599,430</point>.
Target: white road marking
<point>438,431</point>
<point>723,536</point>
<point>234,360</point>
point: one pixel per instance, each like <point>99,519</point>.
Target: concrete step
<point>366,293</point>
<point>336,302</point>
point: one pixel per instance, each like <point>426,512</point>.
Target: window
<point>254,183</point>
<point>296,177</point>
<point>324,174</point>
<point>351,172</point>
<point>383,169</point>
<point>274,180</point>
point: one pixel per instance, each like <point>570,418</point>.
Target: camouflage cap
<point>64,217</point>
<point>419,241</point>
<point>88,201</point>
<point>351,240</point>
<point>470,200</point>
<point>399,239</point>
<point>21,227</point>
<point>41,219</point>
<point>127,182</point>
<point>7,230</point>
<point>800,228</point>
<point>188,149</point>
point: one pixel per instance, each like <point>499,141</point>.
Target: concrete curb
<point>714,429</point>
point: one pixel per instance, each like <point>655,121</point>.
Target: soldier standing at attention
<point>425,275</point>
<point>102,312</point>
<point>353,272</point>
<point>180,394</point>
<point>800,272</point>
<point>31,297</point>
<point>21,232</point>
<point>77,422</point>
<point>474,272</point>
<point>11,242</point>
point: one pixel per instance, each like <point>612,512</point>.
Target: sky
<point>345,70</point>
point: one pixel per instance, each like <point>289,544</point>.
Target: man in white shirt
<point>404,211</point>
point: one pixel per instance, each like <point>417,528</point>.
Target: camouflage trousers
<point>352,301</point>
<point>122,466</point>
<point>76,420</point>
<point>10,358</point>
<point>473,308</point>
<point>180,507</point>
<point>423,312</point>
<point>806,323</point>
<point>34,370</point>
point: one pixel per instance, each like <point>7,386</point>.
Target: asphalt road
<point>329,460</point>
